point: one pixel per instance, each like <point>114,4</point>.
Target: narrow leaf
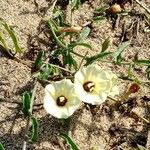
<point>82,44</point>
<point>60,43</point>
<point>117,54</point>
<point>101,9</point>
<point>105,45</point>
<point>143,62</point>
<point>99,18</point>
<point>130,74</point>
<point>68,59</point>
<point>2,40</point>
<point>38,61</point>
<point>84,34</point>
<point>45,71</point>
<point>140,147</point>
<point>69,140</point>
<point>35,129</point>
<point>1,147</point>
<point>26,103</point>
<point>75,3</point>
<point>13,37</point>
<point>90,60</point>
<point>148,72</point>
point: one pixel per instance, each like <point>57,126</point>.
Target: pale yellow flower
<point>94,84</point>
<point>60,99</point>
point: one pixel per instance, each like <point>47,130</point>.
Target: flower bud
<point>134,88</point>
<point>116,8</point>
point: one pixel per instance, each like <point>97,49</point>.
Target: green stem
<point>56,38</point>
<point>77,54</point>
<point>24,147</point>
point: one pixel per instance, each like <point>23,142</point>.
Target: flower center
<point>61,100</point>
<point>89,86</point>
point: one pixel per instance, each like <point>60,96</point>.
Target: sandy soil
<point>100,127</point>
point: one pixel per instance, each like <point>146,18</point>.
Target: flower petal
<point>104,84</point>
<point>61,88</point>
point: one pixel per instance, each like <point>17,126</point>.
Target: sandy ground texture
<point>100,126</point>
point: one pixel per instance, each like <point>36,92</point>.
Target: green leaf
<point>80,44</point>
<point>130,74</point>
<point>2,40</point>
<point>57,52</point>
<point>38,61</point>
<point>143,62</point>
<point>140,147</point>
<point>35,129</point>
<point>59,42</point>
<point>13,37</point>
<point>68,59</point>
<point>57,13</point>
<point>101,9</point>
<point>85,45</point>
<point>69,140</point>
<point>1,147</point>
<point>84,34</point>
<point>105,45</point>
<point>26,103</point>
<point>90,60</point>
<point>148,72</point>
<point>75,3</point>
<point>99,18</point>
<point>45,71</point>
<point>117,54</point>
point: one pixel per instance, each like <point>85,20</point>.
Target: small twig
<point>24,147</point>
<point>140,117</point>
<point>113,99</point>
<point>83,60</point>
<point>117,22</point>
<point>64,69</point>
<point>143,6</point>
<point>87,23</point>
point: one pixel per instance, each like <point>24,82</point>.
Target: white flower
<point>94,84</point>
<point>60,99</point>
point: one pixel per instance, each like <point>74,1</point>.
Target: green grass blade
<point>99,18</point>
<point>130,73</point>
<point>13,37</point>
<point>60,43</point>
<point>35,129</point>
<point>117,54</point>
<point>75,3</point>
<point>81,44</point>
<point>2,40</point>
<point>1,147</point>
<point>26,103</point>
<point>148,72</point>
<point>142,62</point>
<point>105,45</point>
<point>96,57</point>
<point>69,140</point>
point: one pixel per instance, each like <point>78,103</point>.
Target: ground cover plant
<point>84,76</point>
